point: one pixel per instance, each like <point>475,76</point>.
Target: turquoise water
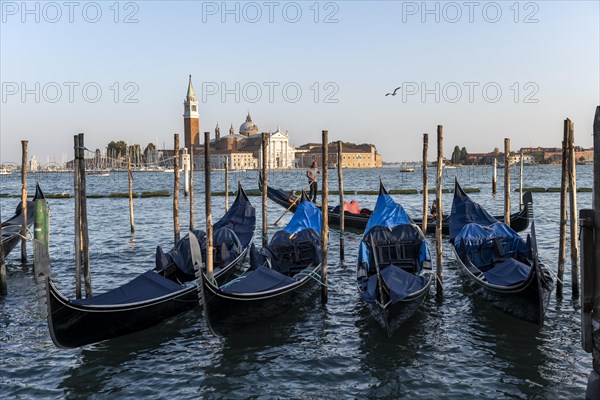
<point>456,347</point>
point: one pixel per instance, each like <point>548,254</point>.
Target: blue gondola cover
<point>507,273</point>
<point>144,287</point>
<point>260,280</point>
<point>466,211</point>
<point>307,215</point>
<point>389,214</point>
<point>400,283</point>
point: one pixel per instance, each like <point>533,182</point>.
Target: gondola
<point>11,229</point>
<point>283,275</point>
<point>159,293</point>
<point>498,264</point>
<point>393,271</point>
<point>519,221</point>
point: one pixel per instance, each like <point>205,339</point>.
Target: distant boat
<point>4,171</point>
<point>99,172</point>
<point>406,168</point>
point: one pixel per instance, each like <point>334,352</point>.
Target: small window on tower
<point>193,108</point>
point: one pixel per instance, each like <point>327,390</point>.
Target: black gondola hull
<point>392,316</point>
<point>74,326</point>
<point>227,313</point>
<point>527,301</point>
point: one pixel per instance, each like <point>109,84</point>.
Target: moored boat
<point>393,271</point>
<point>159,293</point>
<point>283,274</point>
<point>11,228</point>
<point>497,263</point>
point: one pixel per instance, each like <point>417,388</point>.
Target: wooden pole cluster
<point>494,173</point>
<point>573,218</point>
<point>507,181</point>
<point>325,213</point>
<point>562,244</point>
<point>82,241</point>
<point>24,144</point>
<point>425,183</point>
<point>227,184</point>
<point>521,182</point>
<point>176,187</point>
<point>265,159</point>
<point>438,221</point>
<point>208,208</point>
<point>341,191</point>
<point>191,188</point>
<point>130,176</point>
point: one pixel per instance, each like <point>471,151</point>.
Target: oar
<point>379,283</point>
<point>292,205</point>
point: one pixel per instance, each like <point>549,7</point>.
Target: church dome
<point>248,128</point>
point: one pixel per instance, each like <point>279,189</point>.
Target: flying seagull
<point>394,93</point>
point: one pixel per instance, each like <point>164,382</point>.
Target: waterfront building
<point>353,155</point>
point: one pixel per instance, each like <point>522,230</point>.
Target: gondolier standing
<point>311,174</point>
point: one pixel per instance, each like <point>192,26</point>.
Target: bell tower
<point>191,118</point>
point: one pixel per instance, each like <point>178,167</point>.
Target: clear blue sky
<point>550,56</point>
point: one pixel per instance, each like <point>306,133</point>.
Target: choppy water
<point>457,347</point>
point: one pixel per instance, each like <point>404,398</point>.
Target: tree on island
<point>456,155</point>
<point>150,147</point>
<point>460,156</point>
<point>464,156</point>
<point>115,148</point>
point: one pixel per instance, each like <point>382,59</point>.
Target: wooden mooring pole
<point>130,176</point>
<point>573,222</point>
<point>507,181</point>
<point>176,187</point>
<point>425,184</point>
<point>77,217</point>
<point>341,190</point>
<point>208,208</point>
<point>191,187</point>
<point>562,243</point>
<point>85,239</point>
<point>3,283</point>
<point>186,173</point>
<point>265,159</point>
<point>24,145</point>
<point>438,221</point>
<point>521,181</point>
<point>325,212</point>
<point>226,184</point>
<point>494,173</point>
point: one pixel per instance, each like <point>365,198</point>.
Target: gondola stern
<point>304,197</point>
<point>53,299</point>
<point>203,283</point>
<point>382,189</point>
<point>39,194</point>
